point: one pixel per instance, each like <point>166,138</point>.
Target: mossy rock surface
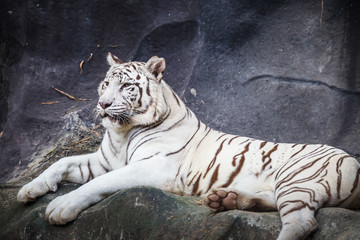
<point>149,213</point>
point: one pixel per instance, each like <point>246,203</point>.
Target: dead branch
<point>70,96</point>
<point>49,103</point>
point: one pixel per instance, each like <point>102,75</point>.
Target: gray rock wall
<point>278,70</point>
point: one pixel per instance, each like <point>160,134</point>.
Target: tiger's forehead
<point>126,71</point>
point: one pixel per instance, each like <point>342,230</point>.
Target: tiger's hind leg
<point>330,180</point>
<point>297,217</point>
<point>225,199</point>
<point>297,203</point>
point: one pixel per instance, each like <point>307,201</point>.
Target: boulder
<point>149,213</point>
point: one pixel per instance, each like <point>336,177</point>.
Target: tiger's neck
<point>176,120</point>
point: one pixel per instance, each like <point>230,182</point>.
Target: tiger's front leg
<point>66,208</point>
<point>76,169</point>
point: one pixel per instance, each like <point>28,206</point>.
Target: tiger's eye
<point>105,84</point>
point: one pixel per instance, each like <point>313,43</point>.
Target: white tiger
<point>153,139</point>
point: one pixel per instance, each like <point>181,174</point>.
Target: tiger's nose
<point>104,104</point>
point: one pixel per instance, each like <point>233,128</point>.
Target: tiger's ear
<point>156,66</point>
<point>112,59</point>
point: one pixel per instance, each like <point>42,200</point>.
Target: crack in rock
<point>300,81</point>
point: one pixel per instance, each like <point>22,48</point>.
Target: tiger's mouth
<point>120,119</point>
<point>111,118</point>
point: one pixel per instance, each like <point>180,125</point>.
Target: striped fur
<point>154,139</point>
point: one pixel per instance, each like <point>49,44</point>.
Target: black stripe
<point>291,203</point>
<point>177,174</point>
<point>105,168</point>
<point>203,138</point>
<point>293,174</point>
<point>134,67</point>
<point>126,74</point>
<point>183,147</point>
<point>262,144</point>
<point>315,151</point>
<point>111,143</point>
<point>212,163</point>
<point>139,146</point>
<point>214,178</point>
<point>192,179</point>
<point>91,175</point>
<point>137,133</point>
<point>146,158</point>
<point>303,147</point>
<point>169,128</point>
<point>267,156</point>
<point>220,137</point>
<point>311,192</point>
<point>196,185</point>
<point>239,167</point>
<point>188,112</point>
<point>339,173</point>
<point>81,172</point>
<point>176,97</point>
<point>232,139</point>
<point>152,126</point>
<point>102,151</point>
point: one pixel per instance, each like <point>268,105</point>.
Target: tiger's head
<point>131,93</point>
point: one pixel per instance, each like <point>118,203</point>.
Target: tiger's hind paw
<point>222,201</point>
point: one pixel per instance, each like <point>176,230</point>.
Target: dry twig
<point>49,103</point>
<point>82,140</point>
<point>94,128</point>
<point>81,66</point>
<point>322,11</point>
<point>91,55</point>
<point>95,132</point>
<point>70,96</point>
<point>198,202</point>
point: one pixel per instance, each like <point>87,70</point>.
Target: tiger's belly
<point>242,163</point>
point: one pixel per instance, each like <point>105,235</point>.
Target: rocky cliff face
<point>281,70</point>
<point>285,71</point>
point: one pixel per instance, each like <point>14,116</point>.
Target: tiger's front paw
<point>64,209</point>
<point>36,188</point>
